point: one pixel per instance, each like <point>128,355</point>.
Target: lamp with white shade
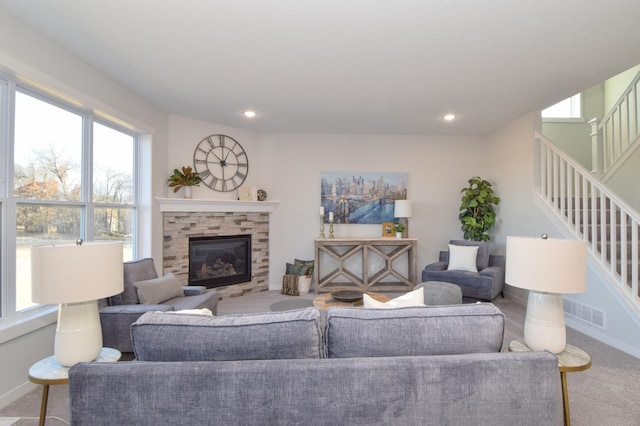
<point>402,211</point>
<point>75,276</point>
<point>548,268</point>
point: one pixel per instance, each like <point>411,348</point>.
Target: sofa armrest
<point>496,260</point>
<point>193,290</point>
<point>116,322</point>
<point>133,309</point>
<point>494,272</point>
<point>437,266</point>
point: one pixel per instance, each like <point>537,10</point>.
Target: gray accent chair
<point>118,312</point>
<point>485,284</point>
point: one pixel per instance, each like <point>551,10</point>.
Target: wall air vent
<point>586,313</point>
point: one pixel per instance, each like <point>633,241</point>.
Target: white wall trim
<point>215,206</point>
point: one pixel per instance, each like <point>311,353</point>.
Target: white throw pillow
<point>304,284</point>
<point>202,311</point>
<point>463,258</point>
<point>158,290</point>
<point>413,298</point>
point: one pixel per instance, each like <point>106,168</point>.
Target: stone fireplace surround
<point>184,218</point>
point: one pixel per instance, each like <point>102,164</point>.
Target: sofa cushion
<point>269,335</point>
<point>445,330</point>
<point>158,290</point>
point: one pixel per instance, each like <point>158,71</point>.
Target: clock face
<point>221,162</point>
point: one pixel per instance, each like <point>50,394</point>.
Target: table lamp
<point>75,276</point>
<point>548,268</point>
<point>402,211</point>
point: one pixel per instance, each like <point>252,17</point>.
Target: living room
<point>287,165</point>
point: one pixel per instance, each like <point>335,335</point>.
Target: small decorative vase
<point>398,234</point>
<point>186,192</point>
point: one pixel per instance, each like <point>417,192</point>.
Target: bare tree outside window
<point>49,181</point>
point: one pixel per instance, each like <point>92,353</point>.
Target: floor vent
<point>584,313</point>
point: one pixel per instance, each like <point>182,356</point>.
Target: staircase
<point>593,213</point>
<point>616,136</point>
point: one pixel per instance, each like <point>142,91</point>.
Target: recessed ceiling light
<point>249,114</point>
<point>450,117</point>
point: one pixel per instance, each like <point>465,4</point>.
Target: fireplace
<point>218,261</point>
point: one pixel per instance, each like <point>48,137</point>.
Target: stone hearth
<point>198,218</point>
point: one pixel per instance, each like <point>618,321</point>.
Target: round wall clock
<point>221,163</point>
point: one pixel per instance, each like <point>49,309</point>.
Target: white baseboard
<point>17,393</point>
<point>602,337</point>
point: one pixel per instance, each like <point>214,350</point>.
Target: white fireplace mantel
<point>214,206</point>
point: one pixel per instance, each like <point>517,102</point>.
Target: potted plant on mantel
<point>477,209</point>
<point>184,179</point>
<point>399,228</point>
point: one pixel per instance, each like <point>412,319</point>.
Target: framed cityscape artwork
<point>361,197</point>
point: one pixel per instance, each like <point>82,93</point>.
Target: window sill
<point>26,322</point>
<point>564,120</point>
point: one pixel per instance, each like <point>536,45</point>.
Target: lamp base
<point>544,327</point>
<point>78,334</point>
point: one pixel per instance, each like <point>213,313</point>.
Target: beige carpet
<point>606,394</point>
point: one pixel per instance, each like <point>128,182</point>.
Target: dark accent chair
<point>118,312</point>
<point>485,284</point>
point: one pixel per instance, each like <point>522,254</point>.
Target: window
<point>570,108</point>
<point>69,176</point>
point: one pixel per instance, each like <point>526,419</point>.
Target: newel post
<point>597,161</point>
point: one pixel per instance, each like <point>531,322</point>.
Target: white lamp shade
<point>547,265</point>
<point>71,273</point>
<point>402,208</point>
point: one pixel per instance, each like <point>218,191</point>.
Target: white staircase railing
<point>594,214</point>
<point>612,136</point>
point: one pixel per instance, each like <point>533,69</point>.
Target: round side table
<point>570,360</point>
<point>48,372</point>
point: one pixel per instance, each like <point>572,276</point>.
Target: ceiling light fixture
<point>450,117</point>
<point>249,114</point>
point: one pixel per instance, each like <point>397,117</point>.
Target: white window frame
<point>16,323</point>
<point>574,106</point>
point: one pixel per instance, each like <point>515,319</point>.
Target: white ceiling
<point>356,66</point>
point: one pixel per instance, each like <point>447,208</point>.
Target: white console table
<point>365,264</point>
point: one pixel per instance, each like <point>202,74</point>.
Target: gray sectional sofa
<point>346,366</point>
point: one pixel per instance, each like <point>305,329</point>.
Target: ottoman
<point>441,293</point>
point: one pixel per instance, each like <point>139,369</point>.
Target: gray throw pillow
<point>309,263</point>
<point>293,269</point>
<point>158,290</point>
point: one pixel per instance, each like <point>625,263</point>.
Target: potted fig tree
<point>477,209</point>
